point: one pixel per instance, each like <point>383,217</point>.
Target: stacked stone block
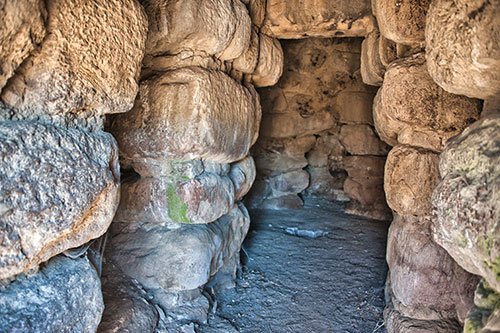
<point>64,65</point>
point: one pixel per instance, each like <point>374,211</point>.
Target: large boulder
<point>221,28</point>
<point>425,282</point>
<point>89,61</point>
<point>402,21</point>
<point>485,316</point>
<point>64,296</point>
<point>22,30</point>
<point>321,18</point>
<point>411,109</point>
<point>195,252</point>
<point>464,61</point>
<point>189,113</point>
<point>60,189</point>
<point>466,201</point>
<point>411,174</point>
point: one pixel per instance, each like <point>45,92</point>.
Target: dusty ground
<point>310,270</point>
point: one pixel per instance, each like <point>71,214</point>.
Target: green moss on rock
<point>177,209</point>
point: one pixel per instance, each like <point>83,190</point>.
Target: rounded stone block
<point>60,189</point>
<point>215,27</point>
<point>402,21</point>
<point>242,175</point>
<point>189,113</point>
<point>411,109</point>
<point>64,296</point>
<point>372,69</point>
<point>270,63</point>
<point>89,62</point>
<point>466,201</point>
<point>462,49</point>
<point>411,174</point>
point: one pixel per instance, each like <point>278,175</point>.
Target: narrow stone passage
<point>313,269</point>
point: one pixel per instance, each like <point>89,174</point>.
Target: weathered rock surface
<point>321,18</point>
<point>190,113</point>
<point>242,174</point>
<point>426,283</point>
<point>22,30</point>
<point>411,174</point>
<point>166,200</point>
<point>195,252</point>
<point>247,62</point>
<point>402,21</point>
<point>293,124</point>
<point>395,322</point>
<point>289,182</point>
<point>60,188</point>
<point>466,202</point>
<point>464,61</point>
<point>64,296</point>
<point>372,69</point>
<point>485,316</point>
<point>361,140</point>
<point>221,27</point>
<point>411,109</point>
<point>88,63</point>
<point>269,64</point>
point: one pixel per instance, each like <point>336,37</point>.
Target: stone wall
<point>317,136</point>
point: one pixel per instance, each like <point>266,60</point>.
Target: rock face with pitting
<point>269,64</point>
<point>22,30</point>
<point>402,21</point>
<point>60,189</point>
<point>190,113</point>
<point>64,296</point>
<point>425,282</point>
<point>466,201</point>
<point>411,174</point>
<point>411,109</point>
<point>320,18</point>
<point>221,28</point>
<point>87,63</point>
<point>462,49</point>
<point>195,252</point>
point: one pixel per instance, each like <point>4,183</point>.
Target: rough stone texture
<point>466,202</point>
<point>402,21</point>
<point>361,140</point>
<point>290,182</point>
<point>269,64</point>
<point>189,113</point>
<point>411,174</point>
<point>387,51</point>
<point>242,175</point>
<point>127,307</point>
<point>395,322</point>
<point>287,125</point>
<point>464,61</point>
<point>247,62</point>
<point>60,189</point>
<point>372,69</point>
<point>485,316</point>
<point>64,296</point>
<point>22,30</point>
<point>221,27</point>
<point>425,282</point>
<point>411,109</point>
<point>195,252</point>
<point>202,199</point>
<point>88,63</point>
<point>321,18</point>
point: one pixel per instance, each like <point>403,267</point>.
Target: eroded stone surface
<point>372,69</point>
<point>242,174</point>
<point>22,30</point>
<point>320,18</point>
<point>411,109</point>
<point>402,21</point>
<point>269,64</point>
<point>466,202</point>
<point>411,174</point>
<point>88,63</point>
<point>464,61</point>
<point>64,296</point>
<point>425,282</point>
<point>220,27</point>
<point>195,252</point>
<point>362,140</point>
<point>190,113</point>
<point>60,188</point>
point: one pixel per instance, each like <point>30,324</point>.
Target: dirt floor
<point>314,269</point>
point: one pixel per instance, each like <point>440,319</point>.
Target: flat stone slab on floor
<point>313,269</point>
